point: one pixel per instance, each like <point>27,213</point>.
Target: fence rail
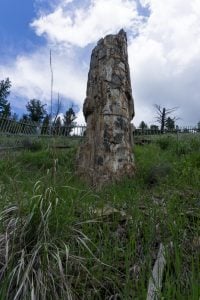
<point>29,128</point>
<point>146,131</point>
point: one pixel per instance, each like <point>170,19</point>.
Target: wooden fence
<point>179,130</point>
<point>28,128</point>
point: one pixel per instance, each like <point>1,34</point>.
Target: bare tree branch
<point>162,114</point>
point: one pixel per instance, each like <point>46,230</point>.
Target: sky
<point>163,48</point>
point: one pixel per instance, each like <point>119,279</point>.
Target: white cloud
<point>80,118</point>
<point>87,25</point>
<point>164,57</point>
<point>30,76</point>
<point>68,30</point>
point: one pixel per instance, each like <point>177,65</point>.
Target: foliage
<point>24,118</point>
<point>162,116</point>
<point>58,126</point>
<point>14,117</point>
<point>154,127</point>
<point>59,239</point>
<point>36,110</point>
<point>170,124</point>
<point>5,86</point>
<point>165,142</point>
<point>37,262</point>
<point>143,125</point>
<point>198,126</point>
<point>69,118</point>
<point>46,125</point>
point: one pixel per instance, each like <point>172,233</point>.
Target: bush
<point>165,142</point>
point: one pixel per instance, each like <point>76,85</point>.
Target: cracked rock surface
<point>106,154</point>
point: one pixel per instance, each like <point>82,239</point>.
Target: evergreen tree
<point>143,125</point>
<point>45,125</point>
<point>69,118</point>
<point>24,118</point>
<point>36,110</point>
<point>23,121</point>
<point>198,126</point>
<point>170,124</point>
<point>5,86</point>
<point>162,115</point>
<point>154,127</point>
<point>15,117</point>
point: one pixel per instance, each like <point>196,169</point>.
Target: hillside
<point>62,240</point>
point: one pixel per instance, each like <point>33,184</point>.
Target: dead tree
<point>162,115</point>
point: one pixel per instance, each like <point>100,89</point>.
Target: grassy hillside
<point>61,240</point>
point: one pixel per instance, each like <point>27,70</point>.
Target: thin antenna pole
<point>51,69</point>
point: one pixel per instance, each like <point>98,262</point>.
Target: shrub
<point>165,142</point>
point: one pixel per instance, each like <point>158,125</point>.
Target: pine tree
<point>36,110</point>
<point>69,118</point>
<point>154,127</point>
<point>162,115</point>
<point>45,125</point>
<point>143,125</point>
<point>170,124</point>
<point>198,126</point>
<point>5,109</point>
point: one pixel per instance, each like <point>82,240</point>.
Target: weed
<point>165,142</point>
<point>31,145</point>
<point>35,263</point>
<point>61,240</point>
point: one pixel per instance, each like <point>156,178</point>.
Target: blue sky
<point>163,40</point>
<point>15,32</point>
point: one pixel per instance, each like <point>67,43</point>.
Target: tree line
<point>36,112</point>
<point>166,121</point>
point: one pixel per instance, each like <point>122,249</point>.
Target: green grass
<point>61,240</point>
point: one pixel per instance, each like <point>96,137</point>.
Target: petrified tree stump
<point>106,155</point>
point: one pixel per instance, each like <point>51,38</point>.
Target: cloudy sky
<point>164,51</point>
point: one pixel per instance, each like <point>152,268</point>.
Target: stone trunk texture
<point>106,155</point>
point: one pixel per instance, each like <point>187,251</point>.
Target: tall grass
<point>61,240</point>
<point>35,262</point>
